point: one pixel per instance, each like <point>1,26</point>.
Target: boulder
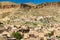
<point>26,36</point>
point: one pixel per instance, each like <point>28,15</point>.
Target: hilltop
<point>10,4</point>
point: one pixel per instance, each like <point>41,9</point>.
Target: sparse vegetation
<point>1,24</point>
<point>58,36</point>
<point>17,35</point>
<point>30,21</point>
<point>50,34</point>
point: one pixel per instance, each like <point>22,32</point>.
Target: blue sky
<point>31,1</point>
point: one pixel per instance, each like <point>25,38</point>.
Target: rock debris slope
<point>29,21</point>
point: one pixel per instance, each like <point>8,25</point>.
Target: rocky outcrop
<point>48,4</point>
<point>28,5</point>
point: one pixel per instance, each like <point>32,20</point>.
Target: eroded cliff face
<point>13,5</point>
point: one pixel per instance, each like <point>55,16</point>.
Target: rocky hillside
<point>29,21</point>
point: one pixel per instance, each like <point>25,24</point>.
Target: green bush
<point>1,24</point>
<point>58,36</point>
<point>51,34</point>
<point>17,35</point>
